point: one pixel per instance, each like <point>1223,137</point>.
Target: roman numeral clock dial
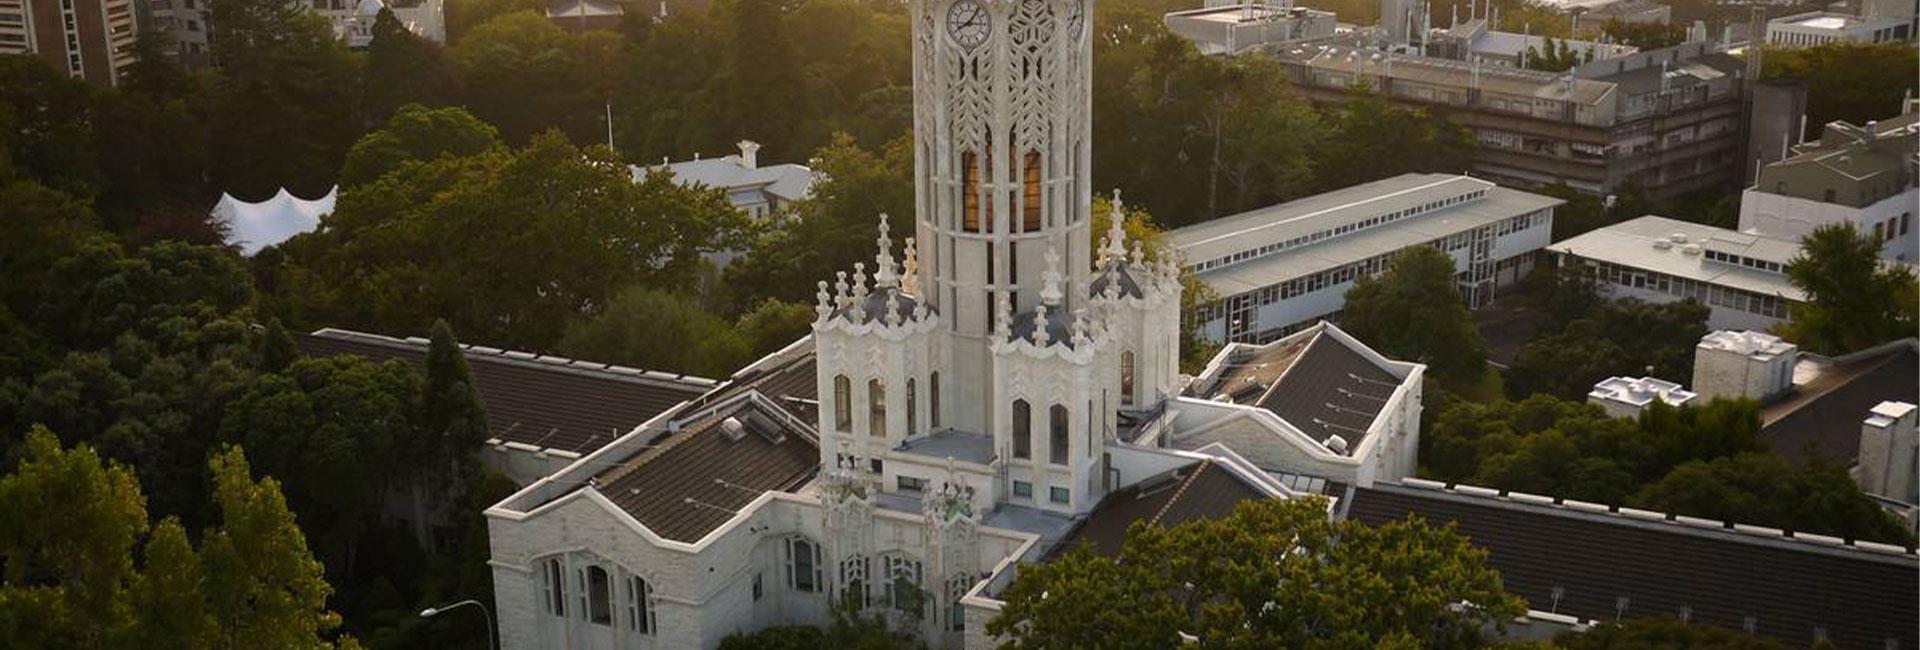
<point>967,23</point>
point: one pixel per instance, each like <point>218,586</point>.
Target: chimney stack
<point>749,154</point>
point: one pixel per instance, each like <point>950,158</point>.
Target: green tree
<point>525,75</point>
<point>1413,311</point>
<point>1243,581</point>
<point>1853,301</point>
<point>464,15</point>
<point>401,69</point>
<point>283,114</point>
<point>1766,490</point>
<point>834,228</point>
<point>1373,139</point>
<point>1855,82</point>
<point>71,525</point>
<point>416,133</point>
<point>1614,338</point>
<point>774,324</point>
<point>657,329</point>
<point>332,430</point>
<point>507,246</point>
<point>68,525</point>
<point>453,425</point>
<point>263,587</point>
<point>276,348</point>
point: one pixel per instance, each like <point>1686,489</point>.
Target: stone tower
<point>1001,126</point>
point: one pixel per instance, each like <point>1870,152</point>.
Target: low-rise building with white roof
<point>1232,29</point>
<point>1282,267</point>
<point>756,190</point>
<point>1740,277</point>
<point>1823,27</point>
<point>1626,397</point>
<point>1859,175</point>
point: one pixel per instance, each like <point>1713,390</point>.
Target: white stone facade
<point>1789,217</point>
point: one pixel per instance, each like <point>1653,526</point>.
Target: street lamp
<point>430,612</point>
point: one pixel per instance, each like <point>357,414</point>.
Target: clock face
<point>967,22</point>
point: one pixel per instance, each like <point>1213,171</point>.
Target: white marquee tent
<point>254,226</point>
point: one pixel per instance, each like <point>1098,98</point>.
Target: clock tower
<point>1001,162</point>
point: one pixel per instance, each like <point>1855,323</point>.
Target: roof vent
<point>733,428</point>
<point>1662,244</point>
<point>1690,249</point>
<point>1678,238</point>
<point>1337,444</point>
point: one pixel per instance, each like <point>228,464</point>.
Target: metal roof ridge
<point>1672,522</point>
<point>1449,178</point>
<point>520,358</point>
<point>1180,491</point>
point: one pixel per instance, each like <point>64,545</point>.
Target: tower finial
<point>1050,281</point>
<point>883,271</point>
<point>1115,247</point>
<point>910,269</point>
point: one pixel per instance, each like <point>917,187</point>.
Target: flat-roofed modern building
<point>1665,120</point>
<point>1823,27</point>
<point>1232,29</point>
<point>83,40</point>
<point>1740,277</point>
<point>1283,267</point>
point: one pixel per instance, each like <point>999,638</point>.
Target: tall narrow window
<point>913,416</point>
<point>842,403</point>
<point>1030,203</point>
<point>599,596</point>
<point>1022,429</point>
<point>803,565</point>
<point>956,613</point>
<point>1126,378</point>
<point>639,602</point>
<point>933,400</point>
<point>554,586</point>
<point>853,582</point>
<point>969,192</point>
<point>876,408</point>
<point>1057,435</point>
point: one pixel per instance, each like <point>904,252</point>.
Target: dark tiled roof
<point>690,483</point>
<point>1114,273</point>
<point>1202,490</point>
<point>1330,390</point>
<point>557,403</point>
<point>790,383</point>
<point>1790,588</point>
<point>1828,422</point>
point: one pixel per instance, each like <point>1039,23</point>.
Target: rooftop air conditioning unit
<point>1662,244</point>
<point>733,428</point>
<point>1690,249</point>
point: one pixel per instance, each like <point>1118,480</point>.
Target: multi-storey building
<point>1667,120</point>
<point>1859,175</point>
<point>185,24</point>
<point>85,39</point>
<point>1283,267</point>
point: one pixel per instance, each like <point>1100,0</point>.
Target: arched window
<point>876,408</point>
<point>842,403</point>
<point>1057,434</point>
<point>1126,378</point>
<point>933,400</point>
<point>957,586</point>
<point>913,415</point>
<point>553,587</point>
<point>903,583</point>
<point>1022,429</point>
<point>969,192</point>
<point>599,596</point>
<point>1030,197</point>
<point>639,605</point>
<point>853,582</point>
<point>803,565</point>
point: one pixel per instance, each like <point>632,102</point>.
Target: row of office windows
<point>1056,494</point>
<point>1724,257</point>
<point>1372,266</point>
<point>1703,292</point>
<point>1336,231</point>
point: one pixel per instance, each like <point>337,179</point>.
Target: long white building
<point>1740,277</point>
<point>1283,267</point>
